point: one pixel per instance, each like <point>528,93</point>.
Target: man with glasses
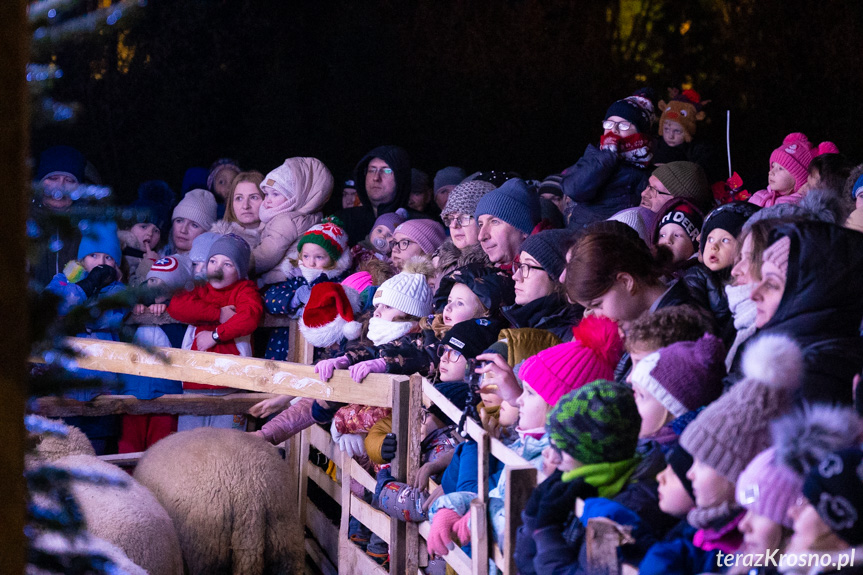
<point>506,216</point>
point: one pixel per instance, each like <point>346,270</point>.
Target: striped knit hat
<point>330,235</point>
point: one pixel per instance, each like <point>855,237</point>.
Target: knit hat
<point>729,217</point>
<point>464,198</point>
<point>634,219</point>
<point>777,253</point>
<point>100,237</point>
<point>329,235</point>
<point>175,271</point>
<point>61,160</point>
<point>236,249</point>
<point>857,188</point>
<point>494,287</point>
<point>194,178</point>
<point>549,249</point>
<point>552,185</point>
<point>218,166</point>
<point>407,292</point>
<point>683,213</point>
<point>680,462</point>
<point>329,316</point>
<point>358,281</point>
<point>449,176</point>
<point>153,205</point>
<point>198,206</point>
<point>686,180</point>
<point>591,355</point>
<point>685,109</point>
<point>391,220</point>
<point>685,375</point>
<point>635,109</point>
<point>768,488</point>
<point>597,423</point>
<point>835,489</point>
<point>732,430</point>
<point>201,247</point>
<point>429,234</point>
<point>794,155</point>
<point>514,202</point>
<point>471,337</point>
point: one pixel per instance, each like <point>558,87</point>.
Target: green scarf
<point>608,478</point>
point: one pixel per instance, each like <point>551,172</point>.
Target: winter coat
<point>677,555</point>
<point>201,307</point>
<point>552,313</point>
<point>601,184</point>
<point>767,198</point>
<point>697,152</point>
<point>707,289</point>
<point>251,235</point>
<point>821,308</point>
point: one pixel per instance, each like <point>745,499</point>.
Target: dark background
<point>511,85</point>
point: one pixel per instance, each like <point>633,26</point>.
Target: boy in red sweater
<point>223,312</point>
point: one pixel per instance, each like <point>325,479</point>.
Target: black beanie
<point>729,217</point>
<point>473,336</point>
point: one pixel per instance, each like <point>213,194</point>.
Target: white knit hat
<point>198,206</point>
<point>407,292</point>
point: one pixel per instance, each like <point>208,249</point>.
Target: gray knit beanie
<point>732,430</point>
<point>549,248</point>
<point>464,197</point>
<point>514,203</point>
<point>686,180</point>
<point>449,176</point>
<point>198,206</point>
<point>236,248</point>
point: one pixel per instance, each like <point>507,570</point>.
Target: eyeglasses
<point>657,191</point>
<point>621,126</point>
<point>524,269</point>
<point>463,220</point>
<point>382,171</point>
<point>448,353</point>
<point>402,245</point>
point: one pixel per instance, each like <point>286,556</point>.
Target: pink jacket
<point>289,422</point>
<point>767,198</point>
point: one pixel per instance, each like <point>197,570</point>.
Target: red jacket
<point>201,308</point>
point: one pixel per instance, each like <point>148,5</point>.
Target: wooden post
<point>14,177</point>
<point>520,483</point>
<point>479,537</point>
<point>604,536</point>
<point>412,536</point>
<point>402,425</point>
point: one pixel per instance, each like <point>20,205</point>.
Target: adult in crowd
<point>421,194</point>
<point>444,181</point>
<point>506,216</point>
<point>462,247</point>
<point>242,208</point>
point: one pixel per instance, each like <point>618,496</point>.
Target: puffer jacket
<point>601,184</point>
<point>707,289</point>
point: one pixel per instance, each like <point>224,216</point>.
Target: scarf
<point>382,331</point>
<point>267,214</point>
<point>535,433</point>
<point>713,517</point>
<point>608,478</point>
<point>636,150</point>
<point>743,311</point>
<point>725,537</point>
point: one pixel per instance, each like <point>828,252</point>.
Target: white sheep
<point>225,491</point>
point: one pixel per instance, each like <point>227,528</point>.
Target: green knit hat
<point>329,234</point>
<point>597,423</point>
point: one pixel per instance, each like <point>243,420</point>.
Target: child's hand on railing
<point>351,444</point>
<point>360,370</point>
<point>440,535</point>
<point>204,340</point>
<point>227,313</point>
<point>270,406</point>
<point>139,308</point>
<point>158,308</point>
<point>462,528</point>
<point>389,447</point>
<point>326,367</point>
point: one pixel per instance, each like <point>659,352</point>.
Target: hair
<point>598,258</point>
<point>833,170</point>
<point>660,328</point>
<point>253,177</point>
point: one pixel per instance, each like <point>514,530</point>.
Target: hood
<point>397,159</point>
<point>824,283</point>
<point>308,178</point>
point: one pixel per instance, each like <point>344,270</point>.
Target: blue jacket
<point>677,555</point>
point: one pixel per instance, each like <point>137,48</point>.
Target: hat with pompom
<point>329,315</point>
<point>329,235</point>
<point>409,291</point>
<point>835,489</point>
<point>794,155</point>
<point>732,430</point>
<point>591,355</point>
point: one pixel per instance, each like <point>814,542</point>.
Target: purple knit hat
<point>591,355</point>
<point>391,220</point>
<point>768,488</point>
<point>429,234</point>
<point>685,375</point>
<point>794,155</point>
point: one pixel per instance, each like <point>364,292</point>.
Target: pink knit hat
<point>429,234</point>
<point>768,488</point>
<point>794,155</point>
<point>358,281</point>
<point>591,355</point>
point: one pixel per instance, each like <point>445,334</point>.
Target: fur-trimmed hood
<point>343,264</point>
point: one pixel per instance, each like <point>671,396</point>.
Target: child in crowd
<point>677,126</point>
<point>789,170</point>
<point>468,292</point>
<point>143,238</point>
<point>678,228</point>
<point>828,171</point>
<point>378,244</point>
<point>166,277</point>
<point>294,194</point>
<point>323,257</point>
<point>223,312</point>
<point>415,238</point>
<point>661,328</point>
<point>95,274</point>
<point>200,252</point>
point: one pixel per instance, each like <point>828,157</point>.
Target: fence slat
<point>479,537</point>
<point>172,404</point>
<point>520,483</point>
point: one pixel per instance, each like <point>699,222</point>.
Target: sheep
<point>224,490</point>
<point>50,447</point>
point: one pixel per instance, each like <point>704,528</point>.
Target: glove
<point>440,535</point>
<point>326,367</point>
<point>539,492</point>
<point>360,370</point>
<point>389,447</point>
<point>303,293</point>
<point>559,502</point>
<point>609,142</point>
<point>98,278</point>
<point>462,529</point>
<point>352,444</point>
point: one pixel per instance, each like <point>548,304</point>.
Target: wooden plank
<point>456,558</point>
<point>303,465</point>
<point>482,466</point>
<point>267,321</point>
<point>603,537</point>
<point>325,482</point>
<point>172,404</point>
<point>326,534</point>
<point>377,521</point>
<point>346,556</point>
<point>123,459</point>
<point>355,561</point>
<point>402,425</point>
<point>498,558</point>
<point>479,537</point>
<point>293,349</point>
<point>520,483</point>
<point>248,373</point>
<point>305,350</point>
<point>323,442</point>
<point>319,557</point>
<point>362,476</point>
<point>414,555</point>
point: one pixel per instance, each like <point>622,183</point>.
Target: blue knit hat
<point>100,237</point>
<point>857,188</point>
<point>514,202</point>
<point>549,249</point>
<point>61,160</point>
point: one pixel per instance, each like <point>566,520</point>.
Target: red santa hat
<point>329,316</point>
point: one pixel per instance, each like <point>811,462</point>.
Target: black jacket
<point>552,313</point>
<point>707,289</point>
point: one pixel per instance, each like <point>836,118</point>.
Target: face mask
<point>382,331</point>
<point>310,274</point>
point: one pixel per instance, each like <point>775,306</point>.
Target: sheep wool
<point>224,491</point>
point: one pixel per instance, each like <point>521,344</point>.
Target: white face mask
<point>382,331</point>
<point>310,274</point>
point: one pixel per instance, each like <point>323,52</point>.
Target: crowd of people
<point>670,351</point>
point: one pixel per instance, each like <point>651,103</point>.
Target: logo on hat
<point>457,343</point>
<point>792,149</point>
<point>483,322</point>
<point>165,265</point>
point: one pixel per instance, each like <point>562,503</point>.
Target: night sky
<point>509,85</point>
